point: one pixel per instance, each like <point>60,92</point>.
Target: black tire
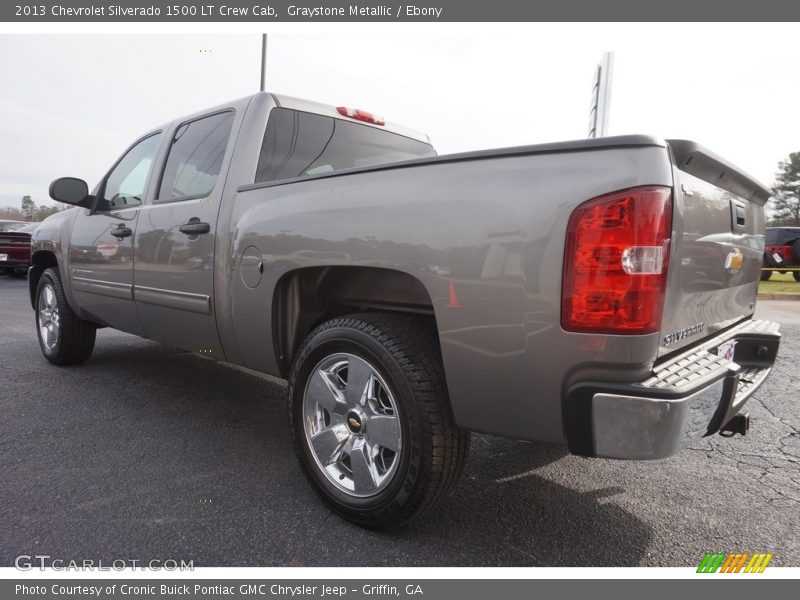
<point>433,449</point>
<point>765,275</point>
<point>796,251</point>
<point>18,273</point>
<point>796,275</point>
<point>75,340</point>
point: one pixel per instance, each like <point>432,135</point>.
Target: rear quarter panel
<point>494,228</point>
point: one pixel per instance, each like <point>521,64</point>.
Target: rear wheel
<point>63,337</point>
<point>371,420</point>
<point>796,275</point>
<point>765,275</point>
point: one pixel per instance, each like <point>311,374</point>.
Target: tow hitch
<point>738,424</point>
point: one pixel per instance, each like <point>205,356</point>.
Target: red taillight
<point>615,263</point>
<point>360,115</point>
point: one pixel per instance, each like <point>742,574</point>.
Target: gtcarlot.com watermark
<point>29,562</point>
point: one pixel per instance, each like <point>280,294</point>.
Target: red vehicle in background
<point>15,247</point>
<point>782,250</point>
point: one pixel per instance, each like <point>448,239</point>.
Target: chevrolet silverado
<point>597,294</point>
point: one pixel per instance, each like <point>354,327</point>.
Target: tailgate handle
<point>739,214</point>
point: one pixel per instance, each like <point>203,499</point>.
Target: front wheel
<point>63,337</point>
<point>371,421</point>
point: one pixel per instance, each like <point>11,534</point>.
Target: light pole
<point>601,97</point>
<point>263,61</point>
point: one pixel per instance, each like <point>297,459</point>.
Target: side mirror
<point>71,190</point>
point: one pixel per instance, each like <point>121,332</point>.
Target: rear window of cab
<point>301,144</point>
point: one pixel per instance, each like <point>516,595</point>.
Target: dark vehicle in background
<point>15,247</point>
<point>10,225</point>
<point>782,250</point>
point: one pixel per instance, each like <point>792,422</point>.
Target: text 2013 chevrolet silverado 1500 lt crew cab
<point>597,293</point>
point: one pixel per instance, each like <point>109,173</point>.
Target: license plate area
<point>3,257</point>
<point>726,350</point>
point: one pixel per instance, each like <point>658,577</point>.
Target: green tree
<point>28,207</point>
<point>42,212</point>
<point>785,203</point>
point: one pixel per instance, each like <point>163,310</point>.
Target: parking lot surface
<point>146,452</point>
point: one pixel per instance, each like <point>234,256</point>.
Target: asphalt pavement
<point>146,452</point>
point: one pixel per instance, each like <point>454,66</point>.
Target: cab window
<point>125,184</point>
<point>301,144</point>
<point>195,157</point>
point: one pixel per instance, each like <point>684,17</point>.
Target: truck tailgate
<point>717,248</point>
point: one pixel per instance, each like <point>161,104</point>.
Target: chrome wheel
<point>351,424</point>
<point>49,323</point>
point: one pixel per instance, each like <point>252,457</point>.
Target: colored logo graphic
<point>738,562</point>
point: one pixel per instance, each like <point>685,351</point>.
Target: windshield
<point>11,225</point>
<point>28,227</point>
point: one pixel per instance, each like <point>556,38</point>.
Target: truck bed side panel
<point>485,236</point>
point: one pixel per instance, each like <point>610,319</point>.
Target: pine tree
<point>28,207</point>
<point>785,203</point>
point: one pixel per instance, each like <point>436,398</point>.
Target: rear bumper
<point>15,263</point>
<point>687,397</point>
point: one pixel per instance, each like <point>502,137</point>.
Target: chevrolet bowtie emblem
<point>734,260</point>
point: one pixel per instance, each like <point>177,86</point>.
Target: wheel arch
<point>307,296</point>
<point>40,260</point>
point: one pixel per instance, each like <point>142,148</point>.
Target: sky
<point>71,103</point>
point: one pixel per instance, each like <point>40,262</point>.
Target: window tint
<point>126,182</point>
<point>298,144</point>
<point>195,157</point>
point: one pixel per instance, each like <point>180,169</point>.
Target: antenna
<point>601,97</point>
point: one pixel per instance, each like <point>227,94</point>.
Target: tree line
<point>784,207</point>
<point>29,211</point>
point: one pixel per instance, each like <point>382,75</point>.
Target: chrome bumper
<point>686,398</point>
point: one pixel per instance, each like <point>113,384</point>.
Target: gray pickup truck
<point>597,294</point>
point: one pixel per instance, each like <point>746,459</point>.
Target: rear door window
<point>300,144</point>
<point>195,157</point>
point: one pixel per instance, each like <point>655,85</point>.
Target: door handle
<point>121,231</point>
<point>194,227</point>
